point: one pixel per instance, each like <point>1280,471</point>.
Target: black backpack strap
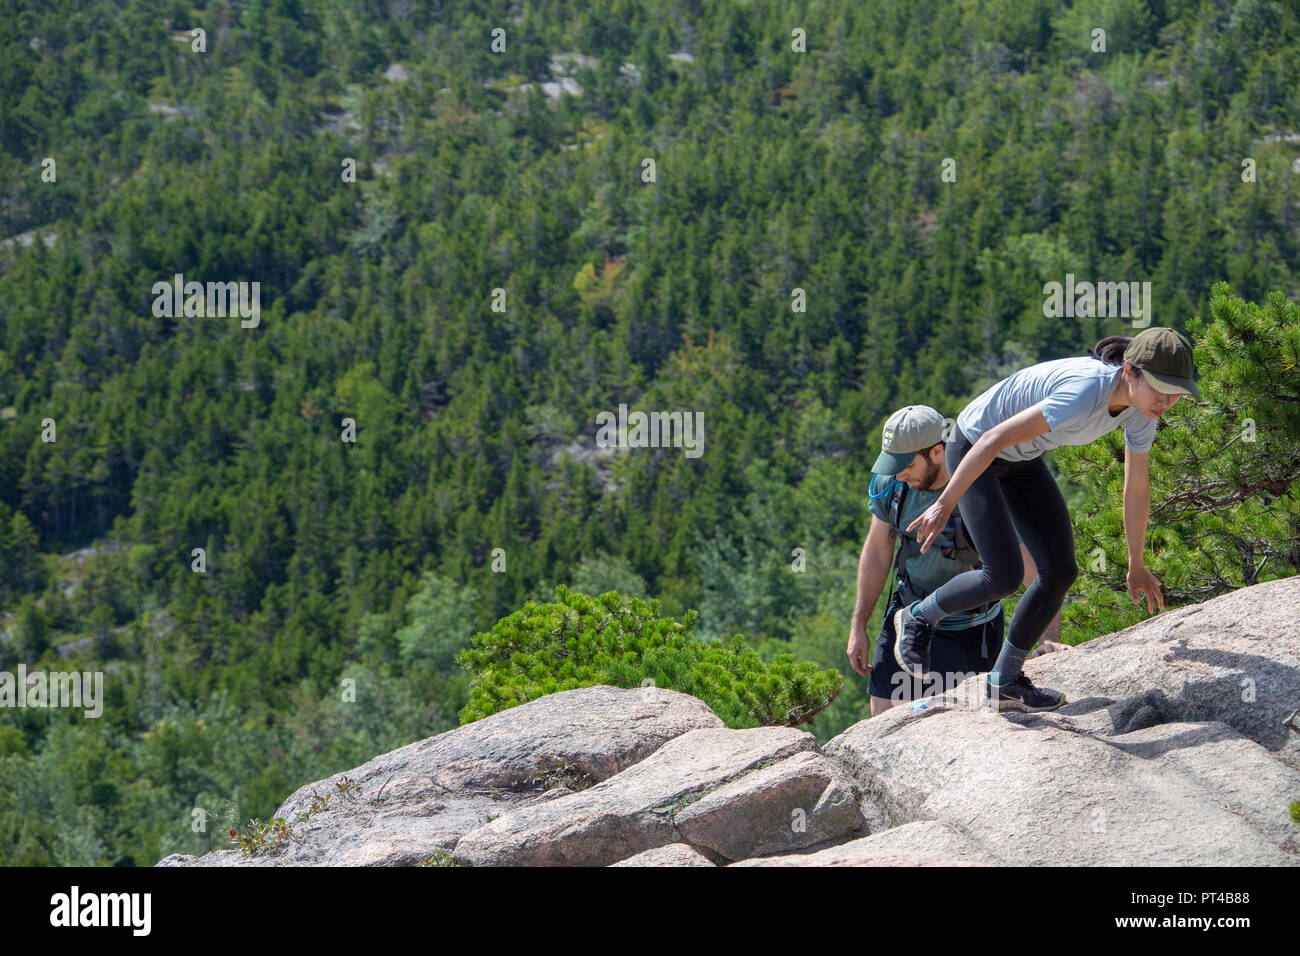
<point>963,549</point>
<point>896,503</point>
<point>904,545</point>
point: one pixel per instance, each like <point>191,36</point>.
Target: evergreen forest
<point>294,541</point>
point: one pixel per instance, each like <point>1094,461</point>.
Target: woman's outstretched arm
<point>1137,512</point>
<point>1020,427</point>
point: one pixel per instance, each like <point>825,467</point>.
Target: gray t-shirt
<point>1073,395</point>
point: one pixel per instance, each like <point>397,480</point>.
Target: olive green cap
<point>1165,358</point>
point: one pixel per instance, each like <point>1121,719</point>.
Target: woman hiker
<point>999,476</point>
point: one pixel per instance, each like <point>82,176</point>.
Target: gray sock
<point>1008,665</point>
<point>929,610</point>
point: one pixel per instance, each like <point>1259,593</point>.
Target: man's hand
<point>859,649</point>
<point>930,522</point>
<point>1142,583</point>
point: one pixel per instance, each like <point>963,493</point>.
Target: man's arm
<point>873,571</point>
<point>1137,512</point>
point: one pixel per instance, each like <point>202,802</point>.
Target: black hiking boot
<point>1022,696</point>
<point>912,637</point>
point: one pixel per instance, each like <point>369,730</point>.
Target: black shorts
<point>954,656</point>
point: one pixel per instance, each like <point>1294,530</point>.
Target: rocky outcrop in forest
<point>1179,746</point>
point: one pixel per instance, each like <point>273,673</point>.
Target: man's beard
<point>931,473</point>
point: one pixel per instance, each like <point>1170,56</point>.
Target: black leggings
<point>1025,493</point>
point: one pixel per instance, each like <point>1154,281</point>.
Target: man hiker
<point>1005,490</point>
<point>909,475</point>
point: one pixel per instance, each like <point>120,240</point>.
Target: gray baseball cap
<point>907,431</point>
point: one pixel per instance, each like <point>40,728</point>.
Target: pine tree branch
<point>1201,500</point>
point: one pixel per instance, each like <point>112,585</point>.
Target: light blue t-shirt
<point>1073,395</point>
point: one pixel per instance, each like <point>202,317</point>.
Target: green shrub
<point>581,641</point>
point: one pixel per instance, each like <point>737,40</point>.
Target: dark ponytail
<point>1111,349</point>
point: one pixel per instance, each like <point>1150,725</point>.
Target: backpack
<point>962,548</point>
